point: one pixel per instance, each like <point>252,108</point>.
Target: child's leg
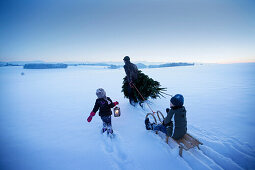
<point>109,121</point>
<point>109,124</point>
<point>160,127</point>
<point>153,126</point>
<point>104,124</point>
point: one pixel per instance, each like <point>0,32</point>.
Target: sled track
<point>118,158</point>
<point>216,154</point>
<point>231,150</point>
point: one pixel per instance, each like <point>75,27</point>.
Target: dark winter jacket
<point>104,106</point>
<point>131,71</point>
<point>180,122</point>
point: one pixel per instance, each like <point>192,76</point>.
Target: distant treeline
<point>44,66</point>
<point>170,65</point>
<point>109,66</point>
<point>141,65</point>
<point>90,64</point>
<point>8,64</point>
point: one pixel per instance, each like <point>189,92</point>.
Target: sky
<point>210,31</point>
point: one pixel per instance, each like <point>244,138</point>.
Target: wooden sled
<point>186,142</point>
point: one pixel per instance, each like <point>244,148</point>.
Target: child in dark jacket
<point>104,105</point>
<point>180,122</point>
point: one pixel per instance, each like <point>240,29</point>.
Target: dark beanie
<point>177,100</point>
<point>126,58</point>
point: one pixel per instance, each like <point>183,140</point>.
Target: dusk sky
<point>221,31</point>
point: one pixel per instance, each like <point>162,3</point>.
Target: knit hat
<point>101,93</point>
<point>177,100</point>
<point>126,58</point>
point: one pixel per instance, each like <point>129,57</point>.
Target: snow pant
<point>179,132</point>
<point>131,94</point>
<point>159,127</point>
<point>107,121</point>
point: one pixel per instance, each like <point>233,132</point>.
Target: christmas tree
<point>145,85</point>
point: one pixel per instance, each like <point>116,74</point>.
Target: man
<point>132,74</point>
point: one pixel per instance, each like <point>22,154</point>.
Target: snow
<point>43,119</point>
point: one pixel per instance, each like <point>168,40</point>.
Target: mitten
<point>115,103</point>
<point>90,116</point>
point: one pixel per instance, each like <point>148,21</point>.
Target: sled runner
<point>186,142</point>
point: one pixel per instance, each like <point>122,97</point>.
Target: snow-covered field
<point>43,119</point>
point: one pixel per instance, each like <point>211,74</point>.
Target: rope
<point>142,96</point>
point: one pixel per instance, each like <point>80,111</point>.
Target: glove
<point>167,110</point>
<point>91,116</point>
<point>115,103</point>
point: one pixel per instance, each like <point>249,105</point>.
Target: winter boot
<point>141,104</point>
<point>148,125</point>
<point>132,102</point>
<point>109,130</point>
<point>104,129</point>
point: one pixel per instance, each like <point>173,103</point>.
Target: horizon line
<point>223,62</point>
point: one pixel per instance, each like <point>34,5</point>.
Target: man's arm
<point>127,73</point>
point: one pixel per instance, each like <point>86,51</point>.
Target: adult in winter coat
<point>180,122</point>
<point>104,105</point>
<point>132,74</point>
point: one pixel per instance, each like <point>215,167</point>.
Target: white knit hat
<point>101,93</point>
